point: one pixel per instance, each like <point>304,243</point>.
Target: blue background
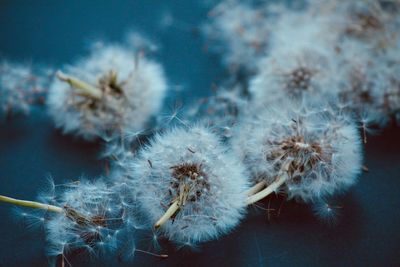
<point>54,33</point>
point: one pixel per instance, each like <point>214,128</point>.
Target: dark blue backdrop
<point>55,33</point>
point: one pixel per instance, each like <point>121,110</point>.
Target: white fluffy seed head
<point>132,90</point>
<point>219,111</point>
<point>97,218</point>
<point>239,30</point>
<point>318,148</point>
<point>292,74</point>
<point>21,86</point>
<point>193,167</point>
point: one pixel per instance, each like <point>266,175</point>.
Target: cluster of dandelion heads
<point>190,166</point>
<point>368,59</point>
<point>371,22</point>
<point>317,149</point>
<point>368,85</point>
<point>97,218</point>
<point>126,89</point>
<point>21,86</point>
<point>345,50</point>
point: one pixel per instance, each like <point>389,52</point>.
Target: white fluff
<point>240,31</point>
<point>319,147</point>
<point>293,74</point>
<point>21,86</point>
<point>219,111</point>
<point>140,80</point>
<point>348,50</point>
<point>109,223</point>
<point>215,202</point>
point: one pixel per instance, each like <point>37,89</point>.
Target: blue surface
<point>367,233</point>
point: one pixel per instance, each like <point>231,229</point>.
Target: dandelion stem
<point>168,214</point>
<point>30,204</point>
<point>162,256</point>
<point>268,190</point>
<point>256,188</point>
<point>84,88</point>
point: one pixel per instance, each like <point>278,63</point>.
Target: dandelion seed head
<point>21,86</point>
<point>132,89</point>
<point>92,220</point>
<point>239,30</point>
<point>319,149</point>
<point>304,74</point>
<point>192,166</point>
<point>219,112</point>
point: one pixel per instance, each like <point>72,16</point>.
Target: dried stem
<point>256,188</point>
<point>280,180</point>
<point>168,214</point>
<point>30,204</point>
<point>84,88</point>
<point>162,256</point>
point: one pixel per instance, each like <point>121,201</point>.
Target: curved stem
<point>30,204</point>
<point>84,88</point>
<point>256,188</point>
<point>162,256</point>
<point>268,190</point>
<point>168,214</point>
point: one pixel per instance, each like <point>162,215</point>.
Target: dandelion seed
<point>327,212</point>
